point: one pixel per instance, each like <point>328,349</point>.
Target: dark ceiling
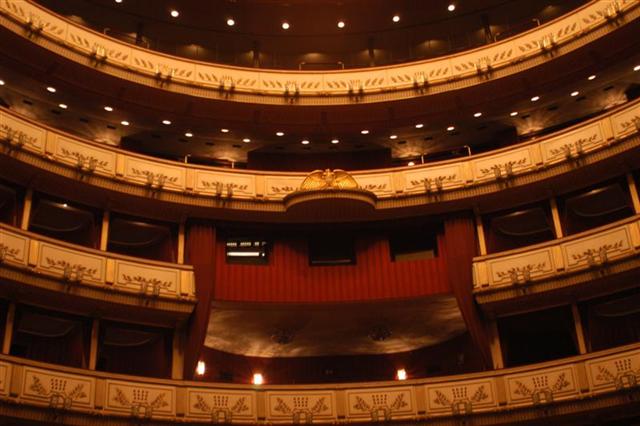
<point>426,28</point>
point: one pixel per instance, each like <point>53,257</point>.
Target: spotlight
<point>450,129</point>
<point>118,1</point>
<point>364,132</point>
<point>174,13</point>
<point>305,142</point>
<point>591,77</point>
<point>1,82</point>
<point>419,126</point>
<point>231,22</point>
<point>124,122</point>
<point>451,7</point>
<point>401,374</point>
<point>63,106</point>
<point>200,368</point>
<point>108,108</point>
<point>279,133</point>
<point>258,379</point>
<point>393,137</point>
<point>477,114</point>
<point>335,141</point>
<point>575,93</point>
<point>51,89</point>
<point>341,24</point>
<point>224,130</point>
<point>166,122</point>
<point>396,18</point>
<point>246,140</point>
<point>636,68</point>
<point>189,134</point>
<point>514,113</point>
<point>285,25</point>
<point>535,99</point>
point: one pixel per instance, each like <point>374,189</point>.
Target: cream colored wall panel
<point>225,184</point>
<point>30,136</point>
<point>5,377</point>
<point>381,403</point>
<point>154,174</point>
<point>618,371</point>
<point>13,248</point>
<point>71,264</point>
<point>573,144</point>
<point>434,179</point>
<point>148,279</point>
<point>522,267</point>
<point>378,183</point>
<point>302,406</point>
<point>598,248</point>
<point>280,186</point>
<point>543,386</point>
<point>85,156</point>
<point>626,121</point>
<point>502,165</point>
<point>462,397</point>
<point>140,399</point>
<point>57,389</point>
<point>223,406</point>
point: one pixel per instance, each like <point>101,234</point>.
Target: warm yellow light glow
<point>189,134</point>
<point>258,379</point>
<point>393,137</point>
<point>166,122</point>
<point>575,93</point>
<point>175,13</point>
<point>341,24</point>
<point>124,123</point>
<point>451,7</point>
<point>305,142</point>
<point>63,106</point>
<point>477,114</point>
<point>246,140</point>
<point>411,163</point>
<point>364,132</point>
<point>591,77</point>
<point>514,113</point>
<point>224,130</point>
<point>396,18</point>
<point>335,141</point>
<point>401,374</point>
<point>201,368</point>
<point>279,133</point>
<point>285,25</point>
<point>231,22</point>
<point>451,128</point>
<point>419,126</point>
<point>535,99</point>
<point>51,89</point>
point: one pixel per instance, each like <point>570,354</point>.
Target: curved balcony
<point>605,379</point>
<point>447,183</point>
<point>28,259</point>
<point>583,259</point>
<point>453,72</point>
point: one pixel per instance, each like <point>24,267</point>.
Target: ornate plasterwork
<point>328,179</point>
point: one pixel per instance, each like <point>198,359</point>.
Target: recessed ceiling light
<point>636,68</point>
<point>279,133</point>
<point>419,126</point>
<point>166,122</point>
<point>63,106</point>
<point>451,128</point>
<point>1,82</point>
<point>514,113</point>
<point>51,89</point>
<point>451,7</point>
<point>65,205</point>
<point>591,77</point>
<point>396,18</point>
<point>575,93</point>
<point>393,137</point>
<point>335,141</point>
<point>246,140</point>
<point>189,134</point>
<point>341,24</point>
<point>108,108</point>
<point>285,25</point>
<point>364,132</point>
<point>231,22</point>
<point>305,142</point>
<point>477,114</point>
<point>411,163</point>
<point>175,13</point>
<point>224,130</point>
<point>124,123</point>
<point>118,1</point>
<point>535,99</point>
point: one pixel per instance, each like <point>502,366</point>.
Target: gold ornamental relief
<point>328,179</point>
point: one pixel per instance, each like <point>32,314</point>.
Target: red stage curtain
<point>288,277</point>
<point>201,253</point>
<point>459,250</point>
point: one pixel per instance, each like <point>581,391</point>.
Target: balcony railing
<point>62,390</point>
<point>593,140</point>
<point>108,54</point>
<point>81,267</point>
<point>593,250</point>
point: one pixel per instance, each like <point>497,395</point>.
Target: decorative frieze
<point>301,407</point>
<point>458,398</point>
<point>224,406</point>
<point>140,400</point>
<point>57,390</point>
<point>381,404</point>
<point>541,387</point>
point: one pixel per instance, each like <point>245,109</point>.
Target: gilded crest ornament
<point>328,179</point>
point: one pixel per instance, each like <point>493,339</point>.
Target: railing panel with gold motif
<point>85,159</point>
<point>66,389</point>
<point>99,49</point>
<point>76,265</point>
<point>590,250</point>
